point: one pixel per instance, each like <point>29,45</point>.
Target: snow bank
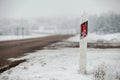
<point>14,37</point>
<point>110,38</point>
<point>60,64</point>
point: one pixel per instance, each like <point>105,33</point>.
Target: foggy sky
<point>51,8</point>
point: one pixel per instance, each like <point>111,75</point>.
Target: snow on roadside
<point>112,38</point>
<point>15,37</point>
<point>60,64</point>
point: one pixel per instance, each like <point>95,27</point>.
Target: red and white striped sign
<point>84,29</point>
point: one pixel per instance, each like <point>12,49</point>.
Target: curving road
<point>16,48</point>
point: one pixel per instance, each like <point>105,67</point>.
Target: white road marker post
<point>83,45</point>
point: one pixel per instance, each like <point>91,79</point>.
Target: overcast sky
<point>46,8</point>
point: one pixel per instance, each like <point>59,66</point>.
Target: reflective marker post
<point>83,46</point>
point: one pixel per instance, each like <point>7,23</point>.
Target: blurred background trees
<point>100,24</point>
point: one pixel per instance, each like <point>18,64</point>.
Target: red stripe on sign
<point>84,29</point>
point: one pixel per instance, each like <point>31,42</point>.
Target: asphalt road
<point>17,48</point>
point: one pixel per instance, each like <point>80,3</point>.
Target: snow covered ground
<point>110,38</point>
<point>15,37</point>
<point>62,64</point>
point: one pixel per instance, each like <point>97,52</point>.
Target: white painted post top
<point>84,18</point>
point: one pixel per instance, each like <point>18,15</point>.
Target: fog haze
<point>52,8</point>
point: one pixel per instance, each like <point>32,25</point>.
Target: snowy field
<point>109,38</point>
<point>63,64</point>
<point>14,37</point>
